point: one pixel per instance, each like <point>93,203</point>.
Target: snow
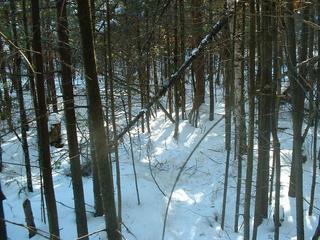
<point>195,209</point>
<point>194,51</point>
<point>54,118</point>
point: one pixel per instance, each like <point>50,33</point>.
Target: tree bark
<point>276,92</point>
<point>210,71</point>
<point>264,128</point>
<point>113,111</point>
<point>28,54</point>
<point>19,91</point>
<point>182,88</point>
<point>197,65</point>
<point>315,156</point>
<point>96,117</point>
<point>43,134</point>
<point>175,62</point>
<point>29,218</point>
<point>70,118</point>
<point>6,113</point>
<point>251,91</point>
<point>49,65</point>
<point>297,93</point>
<point>239,105</point>
<point>228,76</point>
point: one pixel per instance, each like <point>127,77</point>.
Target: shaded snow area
<point>196,206</point>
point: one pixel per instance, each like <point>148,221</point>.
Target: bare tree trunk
<point>49,58</point>
<point>176,60</point>
<point>311,73</point>
<point>296,177</point>
<point>182,88</point>
<point>6,114</point>
<point>276,91</point>
<point>315,156</point>
<point>155,78</point>
<point>276,149</point>
<point>43,135</point>
<point>113,115</point>
<point>198,65</point>
<point>264,128</point>
<point>19,90</point>
<point>147,63</point>
<point>141,69</point>
<point>168,69</point>
<point>239,106</point>
<point>251,91</point>
<point>210,73</point>
<point>96,117</point>
<point>228,76</point>
<point>129,63</point>
<point>98,206</point>
<point>28,54</point>
<point>70,116</point>
<point>31,79</point>
<point>29,218</point>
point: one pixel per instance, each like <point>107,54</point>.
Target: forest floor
<point>196,206</point>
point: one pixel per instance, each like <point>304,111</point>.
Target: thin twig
<point>19,50</point>
<point>309,204</point>
<point>90,234</point>
<point>128,230</point>
<point>151,172</point>
<point>28,228</point>
<point>180,172</point>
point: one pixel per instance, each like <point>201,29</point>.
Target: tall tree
<point>70,116</point>
<point>182,88</point>
<point>96,117</point>
<point>28,54</point>
<point>239,48</point>
<point>19,90</point>
<point>7,107</point>
<point>251,90</point>
<point>49,60</point>
<point>315,157</point>
<point>175,63</point>
<point>113,110</point>
<point>264,128</point>
<point>210,71</point>
<point>297,93</point>
<point>43,134</point>
<point>276,92</point>
<point>228,78</point>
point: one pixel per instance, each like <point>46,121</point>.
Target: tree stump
<point>29,218</point>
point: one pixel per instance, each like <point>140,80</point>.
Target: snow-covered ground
<point>196,206</point>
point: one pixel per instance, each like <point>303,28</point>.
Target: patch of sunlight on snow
<point>285,203</point>
<point>181,196</point>
<point>178,234</point>
<point>290,219</point>
<point>309,220</point>
<point>158,151</point>
<point>198,196</point>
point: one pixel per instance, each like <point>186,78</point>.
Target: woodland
<point>159,119</point>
